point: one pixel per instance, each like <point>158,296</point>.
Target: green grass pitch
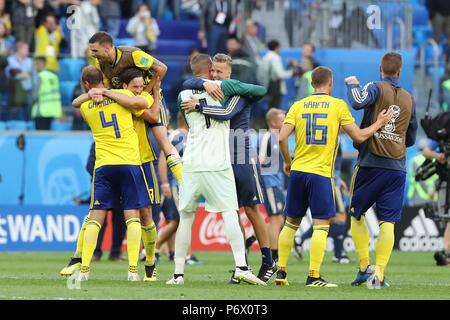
<point>35,276</point>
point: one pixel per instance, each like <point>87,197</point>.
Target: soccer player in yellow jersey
<point>112,61</point>
<point>316,121</point>
<point>133,80</point>
<point>118,174</point>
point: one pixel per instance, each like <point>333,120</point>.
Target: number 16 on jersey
<point>313,129</point>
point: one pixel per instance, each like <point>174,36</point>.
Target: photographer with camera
<point>433,151</point>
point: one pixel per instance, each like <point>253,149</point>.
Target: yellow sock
<point>317,248</point>
<point>133,240</point>
<point>89,242</point>
<point>385,243</point>
<point>80,240</point>
<point>285,243</point>
<point>149,236</point>
<point>175,165</point>
<point>360,236</point>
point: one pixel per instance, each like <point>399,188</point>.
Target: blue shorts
<point>381,186</point>
<point>152,182</point>
<point>162,115</point>
<point>113,184</point>
<point>275,200</point>
<point>249,184</point>
<point>169,207</point>
<point>309,190</point>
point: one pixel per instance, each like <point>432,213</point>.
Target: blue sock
<point>306,235</point>
<point>266,256</point>
<point>338,230</point>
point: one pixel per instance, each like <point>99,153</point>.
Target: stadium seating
<point>66,89</point>
<point>61,126</point>
<point>2,125</point>
<point>16,125</point>
<point>70,69</point>
<point>124,42</point>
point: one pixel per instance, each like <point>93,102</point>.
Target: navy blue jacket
<point>366,98</point>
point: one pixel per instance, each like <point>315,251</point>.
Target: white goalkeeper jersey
<point>207,146</point>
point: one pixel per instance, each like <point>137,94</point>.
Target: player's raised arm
<point>212,87</point>
<point>159,70</point>
<point>151,115</point>
<point>134,102</point>
<point>233,106</point>
<point>360,135</point>
<point>361,98</point>
<point>237,88</point>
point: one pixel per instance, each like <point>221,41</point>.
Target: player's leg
<point>172,217</point>
<point>134,234</point>
<point>362,196</point>
<point>149,235</point>
<point>118,234</point>
<point>261,232</point>
<point>321,200</point>
<point>75,261</point>
<point>275,225</point>
<point>212,186</point>
<point>338,234</point>
<point>296,206</point>
<point>189,198</point>
<point>389,210</point>
<point>148,227</point>
<point>159,130</point>
<point>249,188</point>
<point>172,157</point>
<point>135,194</point>
<point>274,204</point>
<point>166,233</point>
<point>338,227</point>
<point>90,241</point>
<point>105,195</point>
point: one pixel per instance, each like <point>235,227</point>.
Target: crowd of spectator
<point>31,32</point>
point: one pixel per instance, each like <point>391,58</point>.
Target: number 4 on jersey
<point>113,123</point>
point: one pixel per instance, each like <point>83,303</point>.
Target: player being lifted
<point>133,80</point>
<point>112,61</point>
<point>316,121</point>
<point>118,174</point>
<point>207,173</point>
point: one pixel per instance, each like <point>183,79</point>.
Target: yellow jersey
<point>143,132</point>
<point>126,57</point>
<point>47,45</point>
<point>115,137</point>
<point>317,120</point>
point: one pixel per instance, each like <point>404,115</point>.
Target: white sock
<point>234,237</point>
<point>183,240</point>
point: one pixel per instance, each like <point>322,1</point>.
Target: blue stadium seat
<point>175,47</point>
<point>60,126</point>
<point>421,33</point>
<point>419,15</point>
<point>66,89</point>
<point>173,71</point>
<point>70,69</point>
<point>123,33</point>
<point>124,42</point>
<point>2,125</point>
<point>178,30</point>
<point>31,125</point>
<point>16,125</point>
